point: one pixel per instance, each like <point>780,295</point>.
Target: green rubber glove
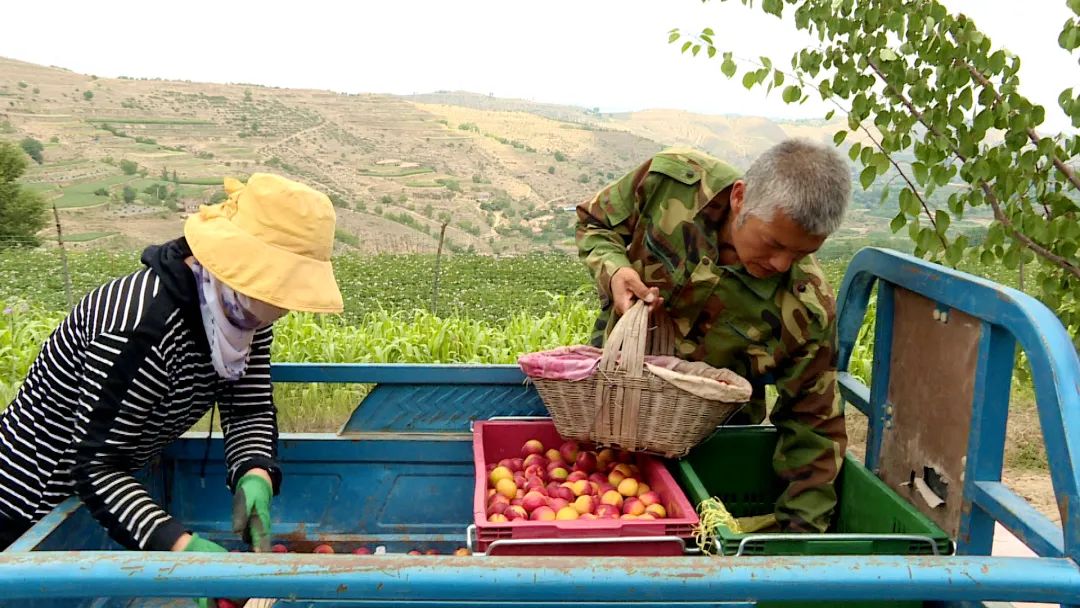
<point>197,544</point>
<point>251,511</point>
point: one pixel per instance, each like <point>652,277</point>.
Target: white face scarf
<point>228,321</point>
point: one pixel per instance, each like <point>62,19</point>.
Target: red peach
<point>543,514</point>
<point>431,552</point>
<point>279,548</point>
<point>624,469</point>
<point>557,503</point>
<point>588,516</point>
<point>604,487</point>
<point>500,473</point>
<point>598,478</point>
<point>516,512</point>
<point>585,504</point>
<point>497,518</point>
<point>643,488</point>
<point>225,603</point>
<point>567,513</point>
<point>361,551</point>
<point>628,516</point>
<point>535,470</point>
<point>586,461</point>
<point>532,446</point>
<point>558,474</point>
<point>613,498</point>
<point>519,494</point>
<point>324,548</point>
<point>605,456</point>
<point>553,455</point>
<point>552,487</point>
<point>569,451</point>
<point>656,510</point>
<point>577,475</point>
<point>535,484</point>
<point>606,511</point>
<point>519,480</point>
<point>628,487</point>
<point>461,551</point>
<point>633,506</point>
<point>415,552</point>
<point>533,500</point>
<point>580,487</point>
<point>564,493</point>
<point>646,516</point>
<point>615,477</point>
<point>532,459</point>
<point>517,464</point>
<point>594,488</point>
<point>649,498</point>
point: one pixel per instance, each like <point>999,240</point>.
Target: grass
<point>201,181</point>
<point>82,195</point>
<point>419,184</point>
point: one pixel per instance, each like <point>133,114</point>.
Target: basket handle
<point>625,350</point>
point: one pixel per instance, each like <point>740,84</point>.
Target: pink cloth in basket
<point>576,362</point>
<point>565,363</point>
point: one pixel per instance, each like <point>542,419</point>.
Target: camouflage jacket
<point>664,220</point>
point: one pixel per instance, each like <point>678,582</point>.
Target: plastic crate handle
<point>764,539</point>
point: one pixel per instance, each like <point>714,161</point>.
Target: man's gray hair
<point>809,182</point>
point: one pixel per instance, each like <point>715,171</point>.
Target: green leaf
<point>686,45</point>
<point>942,219</point>
<point>997,62</point>
<point>884,196</point>
<point>706,38</point>
<point>773,7</point>
<point>954,252</point>
<point>921,174</point>
<point>708,31</point>
<point>830,114</point>
<point>1069,38</point>
<point>712,51</point>
<point>727,66</point>
<point>673,37</point>
<point>749,79</point>
<point>867,176</point>
<point>965,98</point>
<point>888,55</point>
<point>778,78</point>
<point>881,161</point>
<point>1012,257</point>
<point>856,148</point>
<point>898,222</point>
<point>987,257</point>
<point>791,93</point>
<point>696,49</point>
<point>838,137</point>
<point>909,203</point>
<point>766,62</point>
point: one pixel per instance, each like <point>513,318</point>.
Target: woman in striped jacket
<point>145,356</point>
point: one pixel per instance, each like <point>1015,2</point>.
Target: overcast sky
<point>607,53</point>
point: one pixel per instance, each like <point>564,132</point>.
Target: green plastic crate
<point>735,465</point>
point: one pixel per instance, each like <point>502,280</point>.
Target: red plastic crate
<point>498,439</point>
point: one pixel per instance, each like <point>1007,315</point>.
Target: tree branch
<point>1066,170</point>
<point>990,196</point>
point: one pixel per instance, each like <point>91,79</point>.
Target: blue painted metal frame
<point>424,398</point>
<point>687,581</point>
<point>1009,317</point>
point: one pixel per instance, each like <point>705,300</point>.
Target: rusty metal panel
<point>928,416</point>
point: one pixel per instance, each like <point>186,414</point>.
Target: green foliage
<point>560,157</point>
<point>33,149</point>
<point>22,211</point>
<point>129,194</point>
<point>469,126</point>
<point>88,95</point>
<point>129,167</point>
<point>450,184</point>
<point>551,170</point>
<point>929,93</point>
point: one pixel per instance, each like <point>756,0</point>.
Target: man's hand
<point>197,544</point>
<point>626,286</point>
<point>251,509</point>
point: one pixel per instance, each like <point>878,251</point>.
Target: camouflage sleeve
<point>813,437</point>
<point>605,225</point>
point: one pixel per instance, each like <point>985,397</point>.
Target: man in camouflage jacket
<point>728,258</point>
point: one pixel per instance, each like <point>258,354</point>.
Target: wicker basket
<point>625,405</point>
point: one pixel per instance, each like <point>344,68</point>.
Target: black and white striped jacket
<point>123,376</point>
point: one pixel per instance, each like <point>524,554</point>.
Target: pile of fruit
<point>325,548</point>
<point>569,483</point>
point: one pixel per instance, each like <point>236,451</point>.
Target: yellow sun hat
<point>270,240</point>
